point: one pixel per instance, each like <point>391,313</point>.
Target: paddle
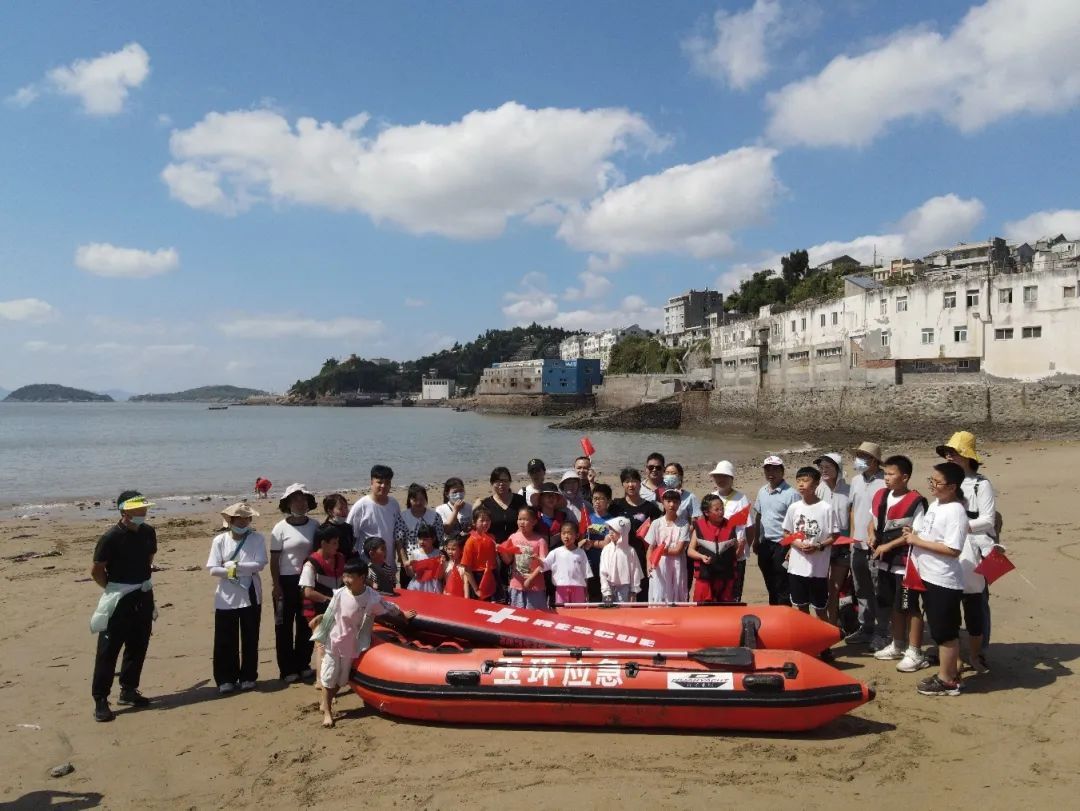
<point>720,657</point>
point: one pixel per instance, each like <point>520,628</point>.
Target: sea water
<point>59,453</point>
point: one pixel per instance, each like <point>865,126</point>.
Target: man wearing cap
<point>869,479</point>
<point>537,471</point>
<point>125,613</point>
<point>773,500</point>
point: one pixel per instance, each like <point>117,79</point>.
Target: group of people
<point>551,543</point>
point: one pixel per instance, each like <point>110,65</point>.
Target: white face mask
<point>672,481</point>
<point>861,465</point>
<point>297,515</point>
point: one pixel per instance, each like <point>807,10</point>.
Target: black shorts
<point>894,596</point>
<point>942,612</point>
<point>808,591</point>
<point>840,555</point>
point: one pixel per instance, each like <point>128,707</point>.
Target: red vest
<point>891,521</point>
<point>334,569</point>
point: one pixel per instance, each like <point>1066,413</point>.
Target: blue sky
<point>208,193</point>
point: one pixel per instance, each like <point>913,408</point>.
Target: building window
<point>748,361</point>
<point>962,364</point>
<point>799,355</point>
<point>776,329</point>
<point>1004,334</point>
<point>775,358</point>
<point>1031,332</point>
<point>830,352</point>
<point>972,298</point>
<point>885,339</point>
<point>835,319</point>
<point>730,364</point>
<point>884,307</point>
<point>927,336</point>
<point>823,319</point>
<point>959,334</point>
<point>802,326</point>
<point>921,364</point>
<point>1069,291</point>
<point>793,325</point>
<point>1031,294</point>
<point>901,304</point>
<point>950,300</point>
<point>854,360</point>
<point>1005,295</point>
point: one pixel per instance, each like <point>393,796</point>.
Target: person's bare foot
<point>328,721</point>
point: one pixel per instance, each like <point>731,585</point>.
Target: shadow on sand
<point>59,800</point>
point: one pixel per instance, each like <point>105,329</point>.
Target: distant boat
<point>216,408</point>
<point>362,401</point>
<point>407,401</point>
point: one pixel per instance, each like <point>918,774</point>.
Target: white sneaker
<point>912,662</point>
<point>226,688</point>
<point>891,651</point>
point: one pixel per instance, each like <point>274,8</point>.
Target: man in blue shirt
<point>772,503</point>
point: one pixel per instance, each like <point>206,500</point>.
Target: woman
<point>640,511</point>
<point>836,491</point>
<point>723,476</point>
<point>336,507</point>
<point>291,542</point>
<point>503,507</point>
<point>237,555</point>
<point>415,515</point>
<point>455,511</point>
<point>980,502</point>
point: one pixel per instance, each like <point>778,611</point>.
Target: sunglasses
<point>654,467</point>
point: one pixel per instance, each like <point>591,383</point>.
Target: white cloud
<point>593,286</point>
<point>736,51</point>
<point>690,208</point>
<point>604,264</point>
<point>26,309</point>
<point>414,302</point>
<point>464,179</point>
<point>1044,223</point>
<point>531,301</point>
<point>111,261</point>
<point>1004,57</point>
<point>290,327</point>
<point>101,84</point>
<point>631,310</point>
<point>44,346</point>
<point>164,120</point>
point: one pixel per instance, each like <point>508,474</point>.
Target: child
<point>597,536</point>
<point>336,507</point>
<point>345,630</point>
<point>671,532</point>
<point>894,508</point>
<point>479,555</point>
<point>453,549</point>
<point>526,574</point>
<point>455,511</point>
<point>620,569</point>
<point>382,572</point>
<point>569,567</point>
<point>262,487</point>
<point>421,580</point>
<point>714,568</point>
<point>237,555</point>
<point>936,541</point>
<point>808,558</point>
<point>320,576</point>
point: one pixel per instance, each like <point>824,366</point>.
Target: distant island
<point>203,394</point>
<point>53,393</point>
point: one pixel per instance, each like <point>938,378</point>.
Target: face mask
<point>138,520</point>
<point>456,497</point>
<point>298,515</point>
<point>336,519</point>
<point>241,531</point>
<point>672,481</point>
<point>861,465</point>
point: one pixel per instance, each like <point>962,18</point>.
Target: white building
<point>571,348</point>
<point>436,388</point>
<point>597,345</point>
<point>689,310</point>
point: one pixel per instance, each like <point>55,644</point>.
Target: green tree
<point>794,267</point>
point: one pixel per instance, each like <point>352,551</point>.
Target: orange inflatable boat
<point>702,625</point>
<point>710,689</point>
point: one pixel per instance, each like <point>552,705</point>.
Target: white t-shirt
<point>947,524</point>
<point>862,505</point>
<point>445,511</point>
<point>568,567</point>
<point>817,522</point>
<point>371,520</point>
<point>249,561</point>
<point>294,543</point>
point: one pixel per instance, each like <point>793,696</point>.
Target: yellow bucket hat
<point>963,444</point>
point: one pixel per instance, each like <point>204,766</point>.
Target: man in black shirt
<point>122,560</point>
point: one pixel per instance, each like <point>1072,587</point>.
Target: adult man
<point>873,624</point>
<point>773,500</point>
<point>653,486</point>
<point>125,613</point>
<point>586,476</point>
<point>375,515</point>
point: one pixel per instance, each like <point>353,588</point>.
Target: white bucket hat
<point>296,488</point>
<point>724,468</point>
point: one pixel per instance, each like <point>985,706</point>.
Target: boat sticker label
<point>541,671</point>
<point>608,673</point>
<point>576,676</point>
<point>507,614</point>
<point>508,671</point>
<point>700,681</point>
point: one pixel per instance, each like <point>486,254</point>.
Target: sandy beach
<point>1007,742</point>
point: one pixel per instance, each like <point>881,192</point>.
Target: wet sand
<point>1008,741</point>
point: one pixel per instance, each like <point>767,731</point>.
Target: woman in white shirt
<point>455,511</point>
<point>416,514</point>
<point>291,541</point>
<point>237,555</point>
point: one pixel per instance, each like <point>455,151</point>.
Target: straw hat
<point>724,468</point>
<point>963,443</point>
<point>871,449</point>
<point>296,488</point>
<point>237,510</point>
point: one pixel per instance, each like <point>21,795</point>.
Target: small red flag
<point>994,566</point>
<point>487,584</point>
<point>843,540</point>
<point>587,446</point>
<point>788,540</point>
<point>507,548</point>
<point>427,569</point>
<point>656,554</point>
<point>643,530</point>
<point>741,518</point>
<point>912,579</point>
<point>455,585</point>
<point>583,525</point>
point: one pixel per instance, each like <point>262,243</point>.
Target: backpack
<point>999,522</point>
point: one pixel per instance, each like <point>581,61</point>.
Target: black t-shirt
<point>127,553</point>
<point>503,522</point>
<point>346,538</point>
<point>638,515</point>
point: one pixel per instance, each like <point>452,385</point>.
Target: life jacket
<point>334,570</point>
<point>891,521</point>
<point>720,566</point>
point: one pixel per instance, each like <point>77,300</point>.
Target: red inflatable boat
<point>717,688</point>
<point>704,625</point>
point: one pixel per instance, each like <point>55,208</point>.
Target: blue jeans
<point>529,599</point>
